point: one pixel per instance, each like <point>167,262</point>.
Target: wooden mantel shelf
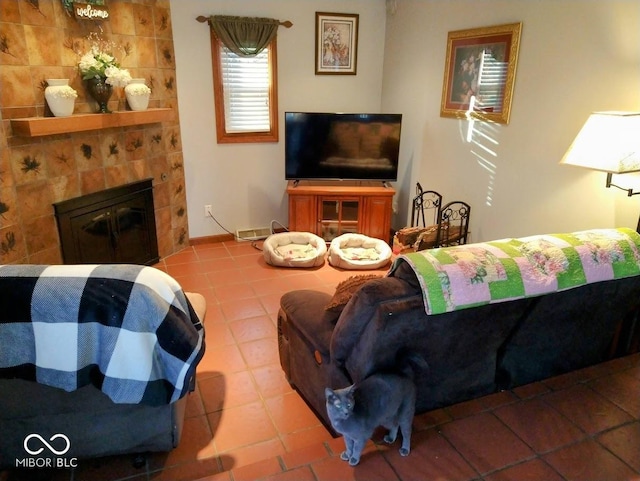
<point>39,126</point>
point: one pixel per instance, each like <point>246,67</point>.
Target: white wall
<point>576,56</point>
<point>245,183</point>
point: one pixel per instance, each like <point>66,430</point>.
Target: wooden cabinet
<point>329,209</point>
<point>338,215</point>
<point>302,213</point>
<point>376,208</point>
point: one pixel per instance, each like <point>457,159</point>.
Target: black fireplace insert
<point>113,226</point>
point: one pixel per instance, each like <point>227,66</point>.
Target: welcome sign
<point>87,11</point>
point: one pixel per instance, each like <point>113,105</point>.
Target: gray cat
<point>382,399</point>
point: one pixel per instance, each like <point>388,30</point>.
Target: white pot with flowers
<point>101,71</point>
<point>60,97</point>
<point>137,93</point>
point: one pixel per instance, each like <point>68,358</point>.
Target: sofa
<point>95,360</point>
<point>485,317</point>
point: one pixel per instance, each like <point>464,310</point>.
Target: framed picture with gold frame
<point>480,72</point>
<point>336,43</point>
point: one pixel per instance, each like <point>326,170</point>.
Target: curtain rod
<point>203,19</point>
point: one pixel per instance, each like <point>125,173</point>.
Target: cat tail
<point>410,363</point>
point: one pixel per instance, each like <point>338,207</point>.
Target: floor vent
<point>253,234</point>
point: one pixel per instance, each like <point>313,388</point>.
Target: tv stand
<point>329,209</point>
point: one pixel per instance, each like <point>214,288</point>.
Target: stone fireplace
<point>39,171</point>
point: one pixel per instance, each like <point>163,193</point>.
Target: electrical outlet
<point>208,212</point>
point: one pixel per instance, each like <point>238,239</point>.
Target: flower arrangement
<point>138,89</point>
<point>65,92</point>
<point>99,62</point>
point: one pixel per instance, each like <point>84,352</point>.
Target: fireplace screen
<point>111,226</point>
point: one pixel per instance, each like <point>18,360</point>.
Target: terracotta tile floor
<point>244,422</point>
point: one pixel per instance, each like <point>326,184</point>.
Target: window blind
<point>246,91</point>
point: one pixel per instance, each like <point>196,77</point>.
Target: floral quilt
<point>461,277</point>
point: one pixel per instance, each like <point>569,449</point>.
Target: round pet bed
<point>294,249</point>
<point>357,251</point>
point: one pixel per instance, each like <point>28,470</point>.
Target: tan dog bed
<point>358,251</point>
<point>294,249</point>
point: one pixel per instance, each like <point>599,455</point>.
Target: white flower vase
<point>137,93</point>
<point>61,98</point>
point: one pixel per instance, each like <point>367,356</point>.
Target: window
<point>245,94</point>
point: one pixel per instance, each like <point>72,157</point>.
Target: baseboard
<point>210,239</point>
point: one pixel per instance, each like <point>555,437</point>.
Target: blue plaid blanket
<point>129,330</point>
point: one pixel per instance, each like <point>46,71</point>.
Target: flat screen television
<point>342,146</point>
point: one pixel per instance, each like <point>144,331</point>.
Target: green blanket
<point>470,275</point>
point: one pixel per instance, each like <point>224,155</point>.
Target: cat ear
<point>328,393</point>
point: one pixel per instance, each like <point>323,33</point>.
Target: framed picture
<point>479,73</point>
<point>336,43</point>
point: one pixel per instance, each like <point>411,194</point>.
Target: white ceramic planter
<point>60,97</point>
<point>137,93</point>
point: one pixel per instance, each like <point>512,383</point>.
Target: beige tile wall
<point>39,40</point>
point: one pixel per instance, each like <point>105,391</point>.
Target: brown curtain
<point>244,36</point>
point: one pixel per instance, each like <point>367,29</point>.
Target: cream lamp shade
<point>609,142</point>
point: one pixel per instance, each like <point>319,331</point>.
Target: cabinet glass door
<point>338,217</point>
